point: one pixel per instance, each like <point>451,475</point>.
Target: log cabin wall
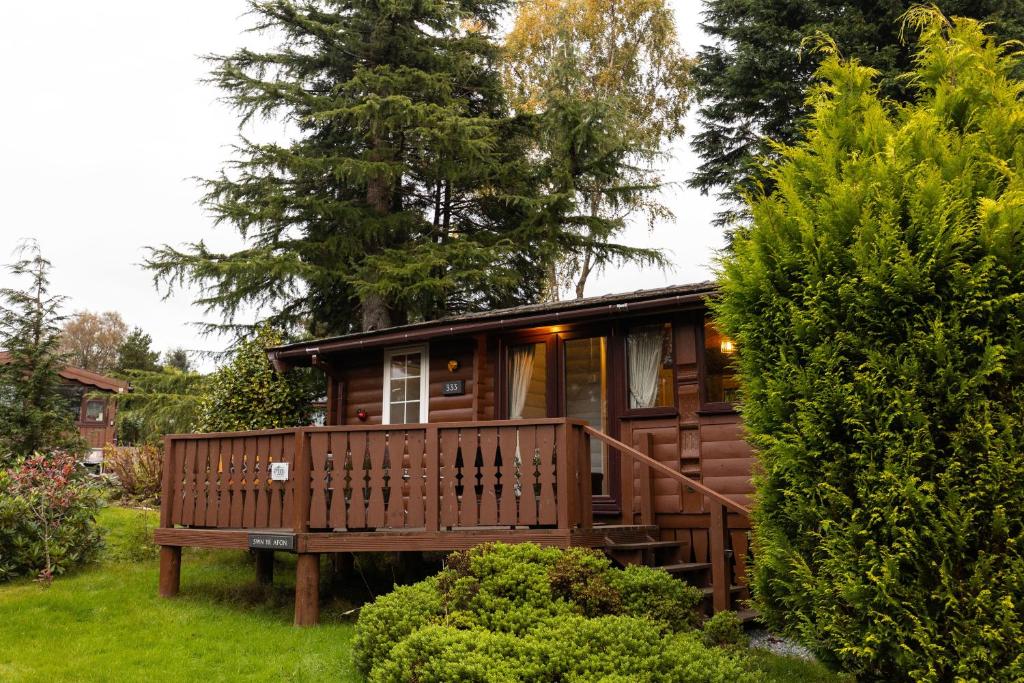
<point>704,445</point>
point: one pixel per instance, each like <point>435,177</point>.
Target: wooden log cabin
<point>606,422</point>
<point>89,398</point>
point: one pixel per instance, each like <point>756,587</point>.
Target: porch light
<point>727,346</point>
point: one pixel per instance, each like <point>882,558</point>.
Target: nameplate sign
<point>455,387</point>
<point>271,541</point>
<point>278,471</point>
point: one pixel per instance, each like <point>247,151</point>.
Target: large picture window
<point>405,385</point>
<point>721,385</point>
<point>649,366</point>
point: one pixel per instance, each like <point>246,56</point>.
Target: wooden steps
<point>677,558</point>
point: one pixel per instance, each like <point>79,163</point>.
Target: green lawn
<point>105,623</point>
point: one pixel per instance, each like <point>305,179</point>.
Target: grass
<point>106,623</point>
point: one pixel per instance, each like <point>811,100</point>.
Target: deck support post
<point>720,578</point>
<point>307,589</point>
<point>265,567</point>
<point>170,570</point>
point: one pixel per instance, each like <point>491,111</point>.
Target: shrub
<point>655,594</point>
<point>724,629</point>
<point>567,648</point>
<point>502,612</point>
<point>138,469</point>
<point>392,617</point>
<point>876,301</point>
<point>47,518</point>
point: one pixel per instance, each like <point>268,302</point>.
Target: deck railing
<point>433,477</point>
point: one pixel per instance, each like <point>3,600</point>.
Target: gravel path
<point>764,640</point>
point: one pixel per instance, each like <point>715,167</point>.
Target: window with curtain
<point>649,366</point>
<point>721,385</point>
<point>527,381</point>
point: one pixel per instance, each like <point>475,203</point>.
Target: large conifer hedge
<point>878,302</point>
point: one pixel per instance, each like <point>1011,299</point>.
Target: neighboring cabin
<point>95,417</point>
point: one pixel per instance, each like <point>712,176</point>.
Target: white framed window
<point>406,385</point>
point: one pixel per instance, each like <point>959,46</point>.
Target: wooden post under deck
<point>720,578</point>
<point>265,567</point>
<point>170,570</point>
<point>307,589</point>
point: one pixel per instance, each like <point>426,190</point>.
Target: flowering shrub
<point>47,518</point>
<point>138,469</point>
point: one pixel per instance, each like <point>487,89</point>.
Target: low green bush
<point>723,630</point>
<point>137,469</point>
<point>502,612</point>
<point>567,648</point>
<point>47,518</point>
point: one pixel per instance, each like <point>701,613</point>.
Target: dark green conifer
<point>401,191</point>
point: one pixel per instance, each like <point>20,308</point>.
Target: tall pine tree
<point>34,417</point>
<point>394,202</point>
<point>752,79</point>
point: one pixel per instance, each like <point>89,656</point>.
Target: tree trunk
<point>376,315</point>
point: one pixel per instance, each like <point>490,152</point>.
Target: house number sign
<point>455,387</point>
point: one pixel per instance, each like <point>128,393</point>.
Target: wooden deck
<point>429,487</point>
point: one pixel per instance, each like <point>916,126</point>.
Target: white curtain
<point>520,361</point>
<point>644,347</point>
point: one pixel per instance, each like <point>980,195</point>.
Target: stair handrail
<point>661,467</point>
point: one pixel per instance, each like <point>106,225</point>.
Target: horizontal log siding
<point>451,408</point>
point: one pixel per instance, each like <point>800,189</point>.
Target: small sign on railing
<point>271,541</point>
<point>278,471</point>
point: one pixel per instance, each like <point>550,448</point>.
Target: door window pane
<point>404,388</point>
<point>649,363</point>
<point>527,381</point>
<point>94,411</point>
<point>720,381</point>
<point>586,391</point>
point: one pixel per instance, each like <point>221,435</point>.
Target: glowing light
<point>728,346</point>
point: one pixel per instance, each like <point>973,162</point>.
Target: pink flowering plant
<point>47,517</point>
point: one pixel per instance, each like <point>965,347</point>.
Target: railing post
<point>586,497</point>
<point>626,486</point>
<point>170,556</point>
<point>647,483</point>
<point>565,491</point>
<point>301,483</point>
<point>719,567</point>
<point>433,488</point>
<point>166,485</point>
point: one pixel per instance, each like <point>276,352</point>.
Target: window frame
<point>623,353</point>
<point>424,351</point>
<point>708,407</point>
<point>85,411</point>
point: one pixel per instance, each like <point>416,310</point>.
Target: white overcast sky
<point>104,123</point>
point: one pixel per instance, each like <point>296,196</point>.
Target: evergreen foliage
<point>134,353</point>
<point>164,401</point>
<point>877,304</point>
<point>520,612</point>
<point>247,394</point>
<point>34,416</point>
<point>402,194</point>
<point>178,359</point>
<point>752,80</point>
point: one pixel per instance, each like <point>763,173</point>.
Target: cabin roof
<point>86,377</point>
<point>548,313</point>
